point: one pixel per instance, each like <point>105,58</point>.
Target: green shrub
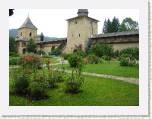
<point>116,54</point>
<point>93,59</point>
<point>102,50</point>
<point>52,83</point>
<point>38,90</point>
<point>31,62</point>
<point>21,84</point>
<point>105,57</point>
<point>75,61</point>
<point>66,56</point>
<point>13,54</point>
<point>13,60</point>
<point>79,51</point>
<point>74,83</point>
<point>41,52</point>
<point>133,53</point>
<point>126,61</point>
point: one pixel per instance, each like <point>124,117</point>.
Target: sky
<point>52,22</point>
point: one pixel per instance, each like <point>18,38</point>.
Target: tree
<point>12,45</point>
<point>128,25</point>
<point>31,46</point>
<point>111,26</point>
<point>42,37</point>
<point>115,25</point>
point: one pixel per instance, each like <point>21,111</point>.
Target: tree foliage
<point>31,46</point>
<point>128,25</point>
<point>111,26</point>
<point>114,26</point>
<point>12,45</point>
<point>42,37</point>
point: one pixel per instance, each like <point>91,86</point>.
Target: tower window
<point>21,33</point>
<point>30,34</point>
<point>79,34</point>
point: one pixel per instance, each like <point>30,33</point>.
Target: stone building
<point>82,30</point>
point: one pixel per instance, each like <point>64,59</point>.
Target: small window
<point>76,22</point>
<point>21,33</point>
<point>30,34</point>
<point>79,34</point>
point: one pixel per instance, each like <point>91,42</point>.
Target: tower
<point>80,29</point>
<point>26,32</point>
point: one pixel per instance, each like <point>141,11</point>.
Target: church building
<point>81,30</point>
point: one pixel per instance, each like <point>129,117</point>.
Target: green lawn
<point>96,91</point>
<point>111,68</point>
<point>52,59</point>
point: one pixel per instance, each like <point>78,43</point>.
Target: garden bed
<point>96,92</point>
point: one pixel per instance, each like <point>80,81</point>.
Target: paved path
<point>126,79</point>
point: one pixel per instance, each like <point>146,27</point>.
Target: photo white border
<point>142,109</point>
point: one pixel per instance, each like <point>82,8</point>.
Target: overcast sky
<point>52,22</point>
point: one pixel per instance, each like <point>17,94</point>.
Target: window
<point>79,34</point>
<point>21,33</point>
<point>30,34</point>
<point>76,22</point>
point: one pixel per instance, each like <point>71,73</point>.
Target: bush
<point>102,50</point>
<point>75,61</point>
<point>38,90</point>
<point>41,52</point>
<point>31,62</point>
<point>79,51</point>
<point>126,61</point>
<point>105,57</point>
<point>66,56</point>
<point>92,59</point>
<point>133,53</point>
<point>13,60</point>
<point>21,84</point>
<point>13,54</point>
<point>52,82</point>
<point>74,84</point>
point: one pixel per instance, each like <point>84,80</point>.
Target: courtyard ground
<point>95,91</point>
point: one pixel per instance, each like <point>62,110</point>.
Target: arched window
<point>79,34</point>
<point>30,34</point>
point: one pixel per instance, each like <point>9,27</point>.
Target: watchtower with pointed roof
<point>80,29</point>
<point>26,32</point>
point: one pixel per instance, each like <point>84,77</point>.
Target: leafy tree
<point>128,25</point>
<point>42,37</point>
<point>31,46</point>
<point>12,45</point>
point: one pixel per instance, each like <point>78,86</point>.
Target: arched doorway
<point>24,50</point>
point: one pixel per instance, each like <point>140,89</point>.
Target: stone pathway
<point>126,79</point>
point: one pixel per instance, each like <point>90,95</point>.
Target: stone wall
<point>118,42</point>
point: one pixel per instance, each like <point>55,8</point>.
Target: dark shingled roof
<point>116,34</point>
<point>28,24</point>
<point>82,16</point>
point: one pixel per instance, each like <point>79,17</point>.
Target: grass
<point>52,59</point>
<point>111,68</point>
<point>95,92</point>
